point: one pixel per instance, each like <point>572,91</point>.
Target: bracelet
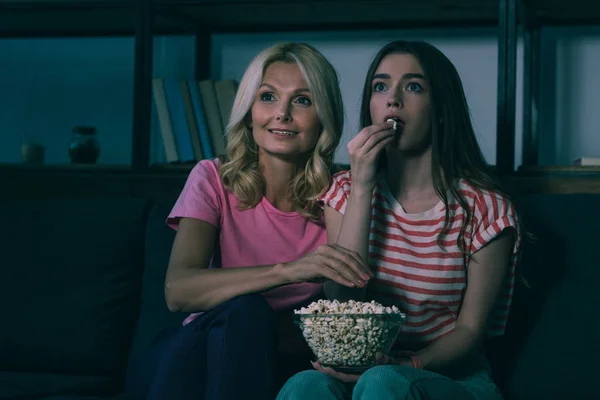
<point>416,360</point>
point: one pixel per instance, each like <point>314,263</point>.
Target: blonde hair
<point>239,169</point>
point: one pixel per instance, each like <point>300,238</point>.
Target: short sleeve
<point>494,214</point>
<point>337,195</point>
<point>201,197</point>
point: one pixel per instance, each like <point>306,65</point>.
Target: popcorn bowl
<point>349,342</point>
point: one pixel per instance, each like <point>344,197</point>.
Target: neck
<point>409,175</point>
<point>278,174</point>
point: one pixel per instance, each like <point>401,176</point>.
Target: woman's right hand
<point>329,262</point>
<point>364,150</point>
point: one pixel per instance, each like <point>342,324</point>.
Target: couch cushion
<point>154,314</point>
<point>550,350</point>
<point>69,283</point>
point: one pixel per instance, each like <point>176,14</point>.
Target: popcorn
<point>394,121</point>
<point>350,333</point>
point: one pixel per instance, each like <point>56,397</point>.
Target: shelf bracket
<point>507,66</point>
<point>142,94</point>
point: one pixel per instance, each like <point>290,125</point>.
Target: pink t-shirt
<point>259,236</point>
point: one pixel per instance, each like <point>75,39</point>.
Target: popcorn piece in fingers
<point>395,123</point>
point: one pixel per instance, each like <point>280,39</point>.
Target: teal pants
<point>393,382</point>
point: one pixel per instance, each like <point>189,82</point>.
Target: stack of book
<point>587,161</point>
<point>192,116</point>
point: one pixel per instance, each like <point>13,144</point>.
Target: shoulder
<point>486,201</point>
<point>341,182</point>
<point>491,210</point>
<point>339,190</point>
<point>342,179</point>
<point>205,171</point>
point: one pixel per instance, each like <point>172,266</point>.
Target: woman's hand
<point>381,359</point>
<point>364,150</point>
<point>347,378</point>
<point>329,261</point>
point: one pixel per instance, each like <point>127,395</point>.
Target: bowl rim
<point>396,317</point>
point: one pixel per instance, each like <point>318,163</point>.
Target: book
<point>179,122</point>
<point>203,132</point>
<point>164,119</point>
<point>226,90</point>
<point>212,114</point>
<point>188,106</point>
<point>587,161</point>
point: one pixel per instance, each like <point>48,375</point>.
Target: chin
<point>407,148</point>
<point>287,154</point>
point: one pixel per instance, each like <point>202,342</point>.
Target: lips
<point>396,119</point>
<point>283,132</point>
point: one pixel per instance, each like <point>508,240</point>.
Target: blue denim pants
<point>228,353</point>
<point>470,381</point>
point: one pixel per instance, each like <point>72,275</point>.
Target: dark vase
<point>84,147</point>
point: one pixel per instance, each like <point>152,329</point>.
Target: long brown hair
<point>455,151</point>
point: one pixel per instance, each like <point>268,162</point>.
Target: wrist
<point>410,359</point>
<point>281,274</point>
<point>362,191</point>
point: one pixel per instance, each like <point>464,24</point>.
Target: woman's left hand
<point>381,359</point>
<point>347,378</point>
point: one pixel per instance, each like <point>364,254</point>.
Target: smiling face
<point>284,119</point>
<point>401,91</point>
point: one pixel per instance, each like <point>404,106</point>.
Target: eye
<point>267,96</point>
<point>379,87</point>
<point>414,87</point>
<point>305,101</point>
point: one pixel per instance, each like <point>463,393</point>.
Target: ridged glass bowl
<point>349,342</point>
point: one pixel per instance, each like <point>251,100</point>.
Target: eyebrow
<point>301,90</point>
<point>410,75</point>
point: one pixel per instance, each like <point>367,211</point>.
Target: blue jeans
<point>394,382</point>
<point>227,353</point>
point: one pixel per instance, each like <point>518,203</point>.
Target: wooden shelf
<point>94,17</point>
<point>185,167</point>
<point>22,18</point>
<point>63,168</point>
<point>556,170</point>
<point>566,12</point>
<point>274,15</point>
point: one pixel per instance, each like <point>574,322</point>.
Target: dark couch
<point>81,292</point>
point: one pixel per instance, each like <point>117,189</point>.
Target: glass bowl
<point>349,342</point>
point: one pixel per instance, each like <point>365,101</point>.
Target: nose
<point>284,114</point>
<point>395,98</point>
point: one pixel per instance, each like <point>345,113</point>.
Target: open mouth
<point>398,123</point>
<point>281,132</point>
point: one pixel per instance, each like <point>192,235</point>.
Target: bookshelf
<point>142,19</point>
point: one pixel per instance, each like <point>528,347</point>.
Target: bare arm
<point>486,272</point>
<point>350,231</point>
<point>190,286</point>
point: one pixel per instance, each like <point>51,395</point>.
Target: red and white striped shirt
<point>413,272</point>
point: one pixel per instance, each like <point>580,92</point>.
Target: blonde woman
<point>255,214</point>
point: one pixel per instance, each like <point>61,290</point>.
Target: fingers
<point>344,264</point>
<point>361,138</point>
<point>348,378</point>
<point>331,269</point>
<point>384,359</point>
<point>377,142</point>
<point>355,261</point>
